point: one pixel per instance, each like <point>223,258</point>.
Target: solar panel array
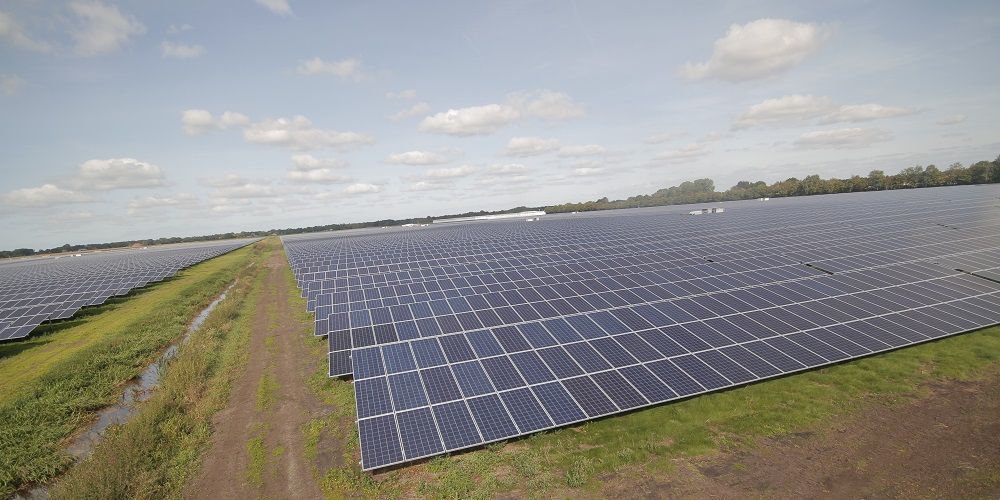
<point>33,291</point>
<point>462,335</point>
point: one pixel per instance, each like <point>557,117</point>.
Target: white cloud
<point>180,50</point>
<point>952,120</point>
<point>117,173</point>
<point>230,119</point>
<point>346,69</point>
<point>307,169</point>
<point>102,28</point>
<point>402,94</point>
<point>298,133</point>
<point>474,120</point>
<point>864,112</point>
<point>588,171</point>
<point>506,169</point>
<point>759,49</point>
<point>316,176</point>
<point>228,180</point>
<point>280,7</point>
<point>797,108</point>
<point>11,31</point>
<point>664,137</point>
<point>584,150</point>
<point>417,158</point>
<point>247,190</point>
<point>362,188</point>
<point>11,84</point>
<point>420,108</point>
<point>686,154</point>
<point>139,205</point>
<point>844,138</point>
<point>176,29</point>
<point>426,186</point>
<point>481,120</point>
<point>310,162</point>
<point>449,172</point>
<point>530,146</point>
<point>42,196</point>
<point>546,104</point>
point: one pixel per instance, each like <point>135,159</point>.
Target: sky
<point>123,120</point>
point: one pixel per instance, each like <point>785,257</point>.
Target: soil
<point>944,445</point>
<point>276,350</point>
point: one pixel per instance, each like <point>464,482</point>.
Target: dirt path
<point>257,447</point>
<point>946,445</point>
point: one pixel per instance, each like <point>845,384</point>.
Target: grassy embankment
<point>576,457</point>
<point>52,383</point>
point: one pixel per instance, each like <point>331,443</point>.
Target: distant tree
<point>876,179</point>
<point>980,172</point>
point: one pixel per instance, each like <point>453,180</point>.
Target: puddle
<point>135,391</point>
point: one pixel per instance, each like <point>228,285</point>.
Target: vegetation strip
<point>55,382</point>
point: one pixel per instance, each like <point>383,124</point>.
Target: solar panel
<point>36,290</point>
<point>466,334</point>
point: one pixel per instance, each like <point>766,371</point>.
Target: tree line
<point>697,191</point>
<point>703,190</point>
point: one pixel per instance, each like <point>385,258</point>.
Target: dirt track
<point>945,445</point>
<point>270,400</point>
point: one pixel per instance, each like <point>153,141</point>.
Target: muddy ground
<point>270,400</point>
<point>945,444</point>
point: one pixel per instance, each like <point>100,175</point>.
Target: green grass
<point>578,457</point>
<point>80,369</point>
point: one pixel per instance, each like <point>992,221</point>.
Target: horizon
<point>126,121</point>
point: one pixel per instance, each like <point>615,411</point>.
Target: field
<point>246,409</point>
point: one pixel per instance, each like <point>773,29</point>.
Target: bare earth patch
<point>945,444</point>
<point>270,401</point>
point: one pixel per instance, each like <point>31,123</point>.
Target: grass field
<point>52,383</point>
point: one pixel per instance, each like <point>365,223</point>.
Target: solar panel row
<point>461,335</point>
<point>33,291</point>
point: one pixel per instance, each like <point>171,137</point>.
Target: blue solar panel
<point>494,330</point>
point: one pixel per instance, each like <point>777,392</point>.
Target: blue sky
<point>127,120</point>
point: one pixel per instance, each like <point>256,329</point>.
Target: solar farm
<point>464,334</point>
<point>33,291</point>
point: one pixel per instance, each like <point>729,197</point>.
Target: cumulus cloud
<point>247,190</point>
<point>797,108</point>
<point>307,169</point>
<point>546,104</point>
<point>45,195</point>
<point>952,120</point>
<point>180,50</point>
<point>117,173</point>
<point>11,84</point>
<point>362,188</point>
<point>855,113</point>
<point>12,32</point>
<point>506,169</point>
<point>420,108</point>
<point>298,133</point>
<point>102,28</point>
<point>345,69</point>
<point>280,7</point>
<point>228,180</point>
<point>530,146</point>
<point>199,121</point>
<point>844,138</point>
<point>417,158</point>
<point>450,172</point>
<point>139,205</point>
<point>176,29</point>
<point>583,150</point>
<point>402,94</point>
<point>759,49</point>
<point>686,154</point>
<point>474,120</point>
<point>481,120</point>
